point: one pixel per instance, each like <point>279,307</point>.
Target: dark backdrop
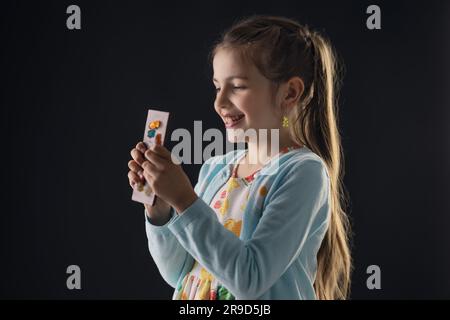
<point>73,104</point>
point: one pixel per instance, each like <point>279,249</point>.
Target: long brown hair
<point>282,48</point>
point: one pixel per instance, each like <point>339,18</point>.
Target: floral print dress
<point>229,205</point>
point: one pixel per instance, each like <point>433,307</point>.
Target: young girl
<point>241,232</point>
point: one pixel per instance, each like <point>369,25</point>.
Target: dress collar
<point>233,167</point>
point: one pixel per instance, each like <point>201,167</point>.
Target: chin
<point>236,135</point>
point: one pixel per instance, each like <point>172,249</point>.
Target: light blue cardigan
<point>275,255</point>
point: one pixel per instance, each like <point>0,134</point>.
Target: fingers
<point>133,178</point>
<point>147,163</point>
<point>162,152</point>
<point>148,176</point>
<point>150,169</point>
<point>136,173</point>
<point>159,150</point>
<point>150,172</point>
<point>141,147</point>
<point>134,166</point>
<point>137,156</point>
<point>155,159</point>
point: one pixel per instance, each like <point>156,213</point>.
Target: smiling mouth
<point>232,121</point>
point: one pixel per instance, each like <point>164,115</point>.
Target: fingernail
<point>142,147</point>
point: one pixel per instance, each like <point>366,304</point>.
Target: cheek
<point>249,104</point>
<point>264,117</point>
<point>256,106</point>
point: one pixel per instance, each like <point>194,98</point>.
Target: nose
<point>221,101</point>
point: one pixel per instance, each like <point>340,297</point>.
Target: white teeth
<point>231,119</point>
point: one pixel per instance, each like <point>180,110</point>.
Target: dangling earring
<point>285,122</point>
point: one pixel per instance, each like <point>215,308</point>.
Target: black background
<point>74,103</point>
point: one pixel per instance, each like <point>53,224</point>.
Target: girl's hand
<point>135,175</point>
<point>167,179</point>
<point>159,213</point>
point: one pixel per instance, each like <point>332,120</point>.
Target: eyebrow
<point>233,77</point>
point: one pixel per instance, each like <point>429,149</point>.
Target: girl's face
<point>243,95</point>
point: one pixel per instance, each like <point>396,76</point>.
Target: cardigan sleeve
<point>170,257</point>
<point>294,208</point>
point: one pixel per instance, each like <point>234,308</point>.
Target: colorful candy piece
<point>148,191</point>
<point>151,133</point>
<point>155,124</point>
<point>158,139</point>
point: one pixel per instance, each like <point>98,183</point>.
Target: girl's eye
<point>234,88</point>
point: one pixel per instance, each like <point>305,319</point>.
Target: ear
<point>294,88</point>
